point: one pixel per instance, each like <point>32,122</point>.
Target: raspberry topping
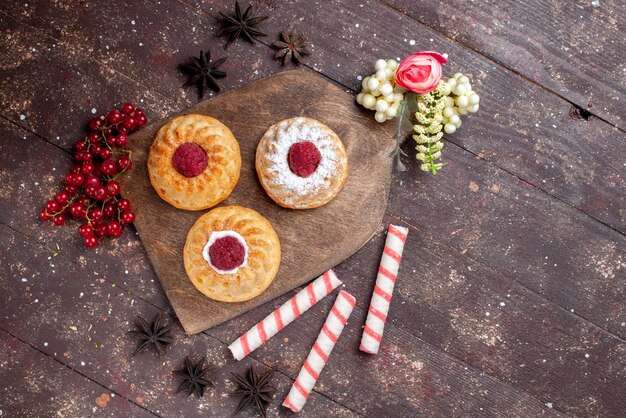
<point>190,159</point>
<point>227,253</point>
<point>303,158</point>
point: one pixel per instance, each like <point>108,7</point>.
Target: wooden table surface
<point>510,299</point>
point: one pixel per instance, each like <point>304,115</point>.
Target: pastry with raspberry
<point>301,163</point>
<point>194,162</point>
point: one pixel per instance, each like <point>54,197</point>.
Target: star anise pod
<point>255,390</point>
<point>193,375</point>
<point>152,334</point>
<point>292,47</point>
<point>240,25</point>
<point>203,70</point>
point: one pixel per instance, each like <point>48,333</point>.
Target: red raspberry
<point>303,158</point>
<point>227,253</point>
<point>190,159</point>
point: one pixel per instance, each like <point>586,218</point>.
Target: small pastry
<point>232,254</point>
<point>194,162</point>
<point>301,163</point>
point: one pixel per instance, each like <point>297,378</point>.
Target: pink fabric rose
<point>420,72</point>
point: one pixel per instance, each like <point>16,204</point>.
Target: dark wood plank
<point>32,172</point>
<point>51,88</point>
<point>578,297</point>
<point>100,348</point>
<point>496,325</point>
<point>311,241</point>
<point>77,50</point>
<point>510,226</point>
<point>520,127</point>
<point>34,385</point>
<point>81,320</point>
<point>147,42</point>
<point>495,149</point>
<point>73,250</point>
<point>535,139</point>
<point>438,327</point>
<point>522,140</point>
<point>572,48</point>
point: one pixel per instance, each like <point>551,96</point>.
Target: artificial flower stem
<point>403,114</point>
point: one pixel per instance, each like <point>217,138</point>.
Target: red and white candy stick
<point>385,281</point>
<point>284,315</point>
<point>318,356</point>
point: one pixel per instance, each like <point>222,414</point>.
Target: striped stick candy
<point>284,315</point>
<point>385,281</point>
<point>318,356</point>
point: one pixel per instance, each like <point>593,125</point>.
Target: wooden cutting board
<point>312,241</point>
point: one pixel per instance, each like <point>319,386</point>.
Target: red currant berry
<point>44,216</point>
<point>95,123</point>
<point>83,200</point>
<point>141,119</point>
<point>62,198</point>
<point>138,111</point>
<point>102,230</point>
<point>130,122</point>
<point>115,117</point>
<point>124,163</point>
<point>113,188</point>
<point>59,219</point>
<point>114,228</point>
<point>121,140</point>
<point>75,169</point>
<point>110,140</point>
<point>108,167</point>
<point>77,179</point>
<point>85,230</point>
<point>71,179</point>
<point>107,132</point>
<point>80,145</point>
<point>83,156</point>
<point>128,108</point>
<point>92,181</point>
<point>72,190</point>
<point>91,241</point>
<point>95,149</point>
<point>90,190</point>
<point>77,210</point>
<point>123,204</point>
<point>95,215</point>
<point>94,138</point>
<point>128,217</point>
<point>100,193</point>
<point>109,210</point>
<point>122,130</point>
<point>52,206</point>
<point>106,153</point>
<point>87,167</point>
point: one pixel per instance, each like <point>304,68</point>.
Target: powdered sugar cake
<point>314,186</point>
<point>312,241</point>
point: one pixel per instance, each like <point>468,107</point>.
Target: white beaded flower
<point>379,92</point>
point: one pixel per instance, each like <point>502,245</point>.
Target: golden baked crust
<point>286,188</point>
<point>263,254</point>
<point>218,179</point>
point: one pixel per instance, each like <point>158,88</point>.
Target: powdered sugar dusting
<point>287,133</point>
<point>215,235</point>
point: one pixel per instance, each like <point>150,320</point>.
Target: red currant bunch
<point>91,193</point>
